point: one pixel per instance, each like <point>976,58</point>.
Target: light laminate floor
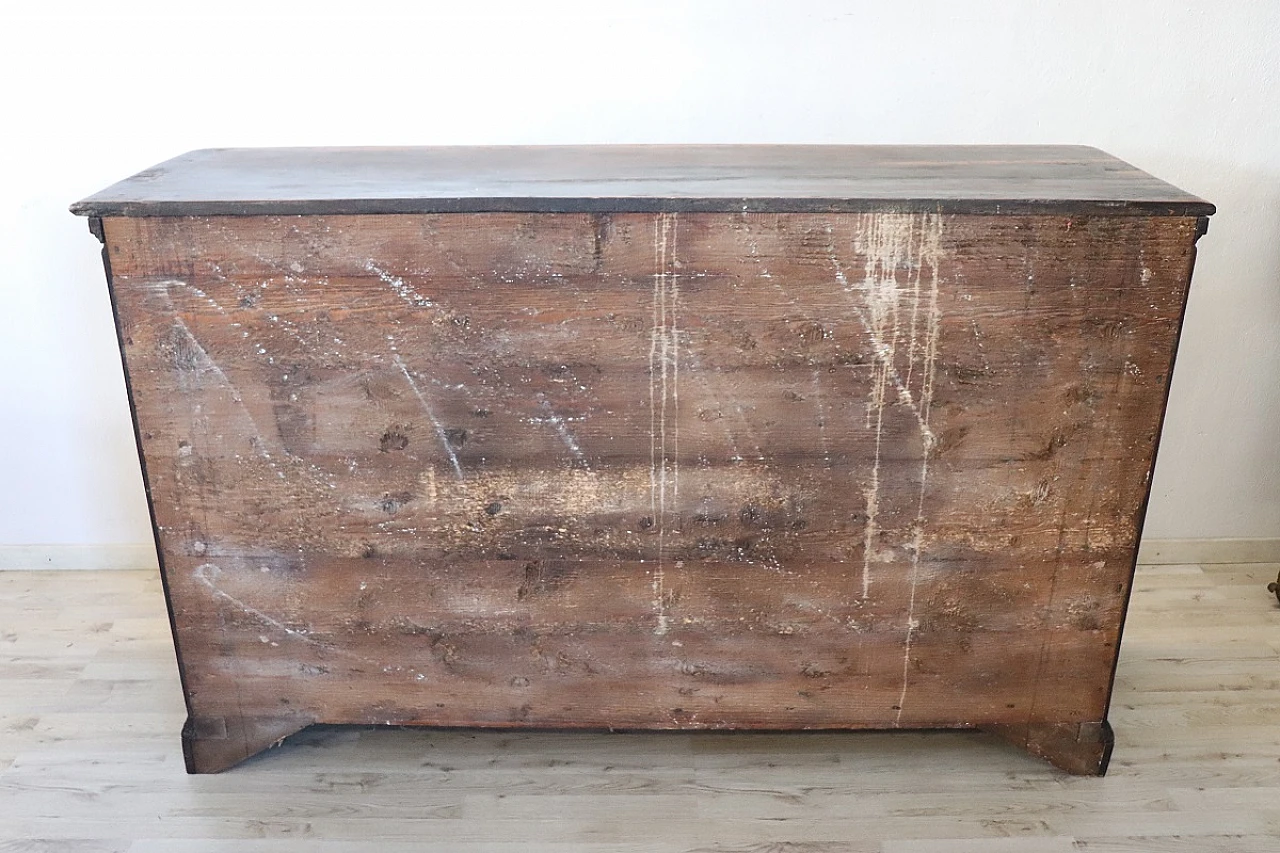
<point>90,710</point>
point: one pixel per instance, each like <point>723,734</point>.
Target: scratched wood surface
<point>647,470</point>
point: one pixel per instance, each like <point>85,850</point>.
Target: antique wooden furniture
<point>774,437</point>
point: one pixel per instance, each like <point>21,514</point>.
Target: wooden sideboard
<point>687,437</point>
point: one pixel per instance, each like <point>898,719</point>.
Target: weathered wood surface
<point>648,471</point>
<point>1043,179</point>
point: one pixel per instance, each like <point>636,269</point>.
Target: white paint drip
<point>653,391</point>
<point>931,251</point>
<point>917,543</point>
<point>441,434</point>
<point>913,271</point>
<point>872,496</point>
<point>888,243</point>
<point>673,339</point>
<point>932,256</point>
<point>664,374</point>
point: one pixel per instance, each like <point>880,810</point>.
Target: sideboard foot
<point>1083,749</point>
<point>213,744</point>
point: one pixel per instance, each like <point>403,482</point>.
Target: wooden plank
<point>630,178</point>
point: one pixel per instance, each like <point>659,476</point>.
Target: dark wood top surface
<point>809,178</point>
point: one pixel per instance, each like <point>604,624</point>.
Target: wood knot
<point>395,438</point>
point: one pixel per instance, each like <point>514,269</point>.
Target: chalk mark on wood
<point>202,574</point>
<point>441,433</point>
<point>400,286</point>
<point>206,364</point>
<point>257,440</point>
<point>558,423</point>
<point>207,573</point>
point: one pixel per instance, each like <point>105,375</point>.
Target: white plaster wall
<point>1187,90</point>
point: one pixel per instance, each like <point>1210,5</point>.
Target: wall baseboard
<point>1170,552</point>
<point>1153,552</point>
<point>77,557</point>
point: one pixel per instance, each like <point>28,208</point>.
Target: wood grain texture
<point>1044,179</point>
<point>647,470</point>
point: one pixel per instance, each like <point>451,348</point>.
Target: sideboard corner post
<point>214,744</point>
<point>1082,749</point>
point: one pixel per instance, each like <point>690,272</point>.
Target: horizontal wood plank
<point>634,178</point>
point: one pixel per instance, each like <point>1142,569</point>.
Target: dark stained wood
<point>213,744</point>
<point>1083,749</point>
<point>981,179</point>
<point>634,470</point>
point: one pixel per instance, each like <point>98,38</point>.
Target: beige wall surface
<point>1189,91</point>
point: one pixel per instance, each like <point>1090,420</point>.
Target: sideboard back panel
<point>648,470</point>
